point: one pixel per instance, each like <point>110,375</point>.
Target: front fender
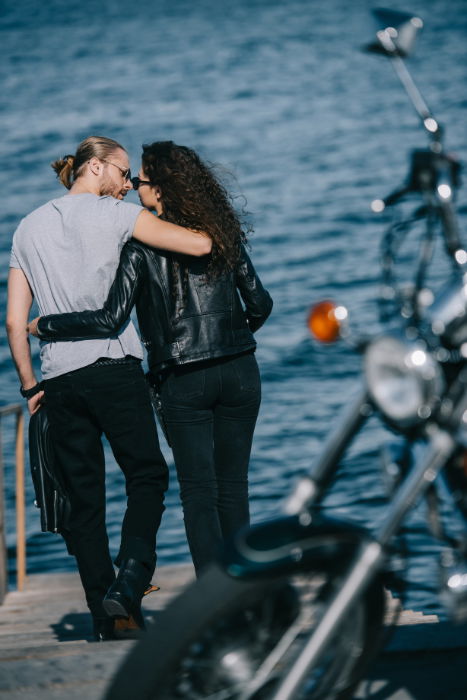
<point>290,544</point>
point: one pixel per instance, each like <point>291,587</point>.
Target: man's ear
<point>96,165</point>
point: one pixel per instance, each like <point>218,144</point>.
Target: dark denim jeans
<point>211,410</point>
<point>81,406</point>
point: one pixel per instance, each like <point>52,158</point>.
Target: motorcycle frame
<point>370,558</point>
<point>370,553</point>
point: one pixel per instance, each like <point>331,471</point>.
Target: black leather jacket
<point>182,318</point>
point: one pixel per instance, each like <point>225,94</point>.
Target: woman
<point>199,339</point>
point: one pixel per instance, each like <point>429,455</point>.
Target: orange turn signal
<point>325,321</point>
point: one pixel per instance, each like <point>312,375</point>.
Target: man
<point>65,255</point>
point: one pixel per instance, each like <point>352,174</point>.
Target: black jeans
<point>211,410</point>
<point>81,406</point>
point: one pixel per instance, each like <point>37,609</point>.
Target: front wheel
<point>224,638</point>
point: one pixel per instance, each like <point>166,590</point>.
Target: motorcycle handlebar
<point>436,175</point>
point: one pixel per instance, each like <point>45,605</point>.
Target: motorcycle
<point>296,608</point>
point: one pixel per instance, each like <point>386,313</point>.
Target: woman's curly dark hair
<point>192,196</point>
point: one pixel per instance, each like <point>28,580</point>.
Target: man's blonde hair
<point>69,168</point>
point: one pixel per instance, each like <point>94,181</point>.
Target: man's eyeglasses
<point>126,174</point>
<point>136,182</point>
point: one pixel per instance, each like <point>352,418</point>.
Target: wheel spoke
<point>263,674</point>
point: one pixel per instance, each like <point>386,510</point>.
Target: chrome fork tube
<point>310,487</point>
<point>367,562</point>
<point>420,477</point>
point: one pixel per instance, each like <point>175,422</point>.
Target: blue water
<point>311,127</point>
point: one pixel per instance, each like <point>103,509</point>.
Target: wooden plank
<point>45,652</point>
<point>52,608</point>
<point>45,632</point>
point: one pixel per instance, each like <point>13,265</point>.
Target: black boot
<point>123,599</point>
<point>103,629</point>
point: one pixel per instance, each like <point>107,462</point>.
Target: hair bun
<point>64,169</point>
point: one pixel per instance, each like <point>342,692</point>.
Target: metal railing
<point>17,411</point>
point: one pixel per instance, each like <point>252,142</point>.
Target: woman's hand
<point>32,327</point>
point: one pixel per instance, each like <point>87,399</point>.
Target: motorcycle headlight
<point>403,379</point>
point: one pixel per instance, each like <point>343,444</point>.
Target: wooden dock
<point>45,635</point>
<point>46,654</point>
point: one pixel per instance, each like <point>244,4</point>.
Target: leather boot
<point>123,599</point>
<point>103,629</point>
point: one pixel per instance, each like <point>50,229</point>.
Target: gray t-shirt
<point>69,250</point>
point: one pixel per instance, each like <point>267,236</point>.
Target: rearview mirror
<point>396,33</point>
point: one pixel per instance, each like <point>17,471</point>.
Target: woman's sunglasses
<point>136,182</point>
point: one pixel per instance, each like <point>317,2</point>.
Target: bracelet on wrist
<point>29,393</point>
